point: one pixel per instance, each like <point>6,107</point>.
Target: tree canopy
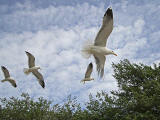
<point>138,98</point>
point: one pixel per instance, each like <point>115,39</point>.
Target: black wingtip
<point>15,85</point>
<point>109,12</point>
<point>26,52</point>
<point>90,64</point>
<point>3,67</point>
<point>43,85</point>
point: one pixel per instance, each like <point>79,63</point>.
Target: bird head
<point>113,53</point>
<point>92,79</point>
<point>38,68</point>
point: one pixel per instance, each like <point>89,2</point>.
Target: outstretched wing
<point>105,30</point>
<point>100,62</point>
<point>13,83</point>
<point>5,72</point>
<point>89,70</point>
<point>39,77</point>
<point>31,59</point>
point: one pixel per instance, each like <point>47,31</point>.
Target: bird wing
<point>13,83</point>
<point>100,62</point>
<point>39,77</point>
<point>31,59</point>
<point>105,30</point>
<point>5,72</point>
<point>89,70</point>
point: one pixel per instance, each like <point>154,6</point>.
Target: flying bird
<point>98,49</point>
<point>34,69</point>
<point>88,73</point>
<point>7,77</point>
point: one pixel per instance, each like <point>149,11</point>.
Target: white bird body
<point>34,68</point>
<point>8,79</point>
<point>91,49</point>
<point>98,49</point>
<point>30,70</point>
<point>87,79</point>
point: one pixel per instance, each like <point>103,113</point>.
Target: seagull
<point>7,77</point>
<point>88,73</point>
<point>98,49</point>
<point>34,69</point>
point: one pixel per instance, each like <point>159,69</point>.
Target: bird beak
<point>115,54</point>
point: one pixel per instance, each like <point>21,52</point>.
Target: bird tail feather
<point>82,81</point>
<point>86,49</point>
<point>26,71</point>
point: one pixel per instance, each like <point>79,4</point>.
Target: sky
<point>54,31</point>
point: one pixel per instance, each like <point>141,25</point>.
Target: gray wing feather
<point>89,70</point>
<point>31,59</point>
<point>13,83</point>
<point>39,77</point>
<point>105,30</point>
<point>5,72</point>
<point>100,62</point>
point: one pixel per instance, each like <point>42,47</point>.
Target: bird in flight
<point>88,73</point>
<point>33,69</point>
<point>7,77</point>
<point>98,49</point>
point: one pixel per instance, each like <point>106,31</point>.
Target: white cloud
<point>139,26</point>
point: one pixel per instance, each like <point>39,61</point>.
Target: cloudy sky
<point>54,32</point>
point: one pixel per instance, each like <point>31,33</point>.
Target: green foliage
<point>138,98</point>
<point>139,94</point>
<point>25,108</point>
<point>102,107</point>
<point>28,109</point>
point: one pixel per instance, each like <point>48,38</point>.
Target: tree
<point>139,90</point>
<point>138,98</point>
<point>24,109</point>
<point>28,109</point>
